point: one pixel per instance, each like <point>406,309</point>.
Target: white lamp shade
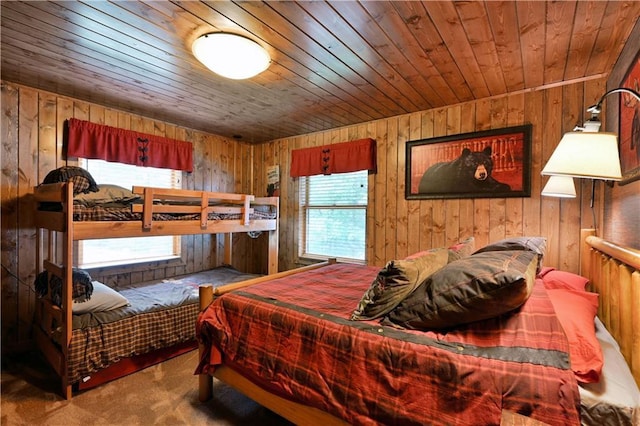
<point>231,55</point>
<point>592,155</point>
<point>559,186</point>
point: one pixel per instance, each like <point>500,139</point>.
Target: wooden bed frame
<point>612,270</point>
<point>53,324</point>
<point>614,273</point>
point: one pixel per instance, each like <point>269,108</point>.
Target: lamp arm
<point>596,109</point>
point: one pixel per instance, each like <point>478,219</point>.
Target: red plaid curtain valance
<point>91,140</point>
<point>342,157</point>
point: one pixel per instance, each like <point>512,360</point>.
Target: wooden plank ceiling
<point>334,63</point>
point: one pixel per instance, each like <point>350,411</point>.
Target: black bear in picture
<point>469,173</point>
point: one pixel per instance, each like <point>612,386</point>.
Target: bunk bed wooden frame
<point>58,231</point>
<point>613,270</point>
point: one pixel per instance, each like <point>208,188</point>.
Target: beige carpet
<point>164,394</point>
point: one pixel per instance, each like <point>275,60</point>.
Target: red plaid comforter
<point>293,337</point>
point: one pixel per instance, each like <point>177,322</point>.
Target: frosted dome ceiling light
<point>231,55</point>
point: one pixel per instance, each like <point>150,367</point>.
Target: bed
<point>302,355</point>
<point>87,348</point>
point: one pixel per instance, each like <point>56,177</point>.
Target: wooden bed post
<point>205,385</point>
<point>585,252</point>
<point>67,300</point>
<point>228,247</point>
<point>274,243</point>
<point>273,252</point>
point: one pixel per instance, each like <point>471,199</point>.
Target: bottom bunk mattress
<point>158,315</point>
<point>293,337</point>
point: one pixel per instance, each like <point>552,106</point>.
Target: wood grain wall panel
<point>27,178</point>
<point>9,162</point>
<point>390,213</point>
<point>380,194</point>
<point>552,132</point>
<point>533,113</point>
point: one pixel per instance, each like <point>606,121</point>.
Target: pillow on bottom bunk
<point>471,289</point>
<point>104,298</point>
<point>82,286</point>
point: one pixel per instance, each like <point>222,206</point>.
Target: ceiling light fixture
<point>231,55</point>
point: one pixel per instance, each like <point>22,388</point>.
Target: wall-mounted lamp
<point>584,153</point>
<point>559,186</point>
<point>231,55</point>
<point>588,153</point>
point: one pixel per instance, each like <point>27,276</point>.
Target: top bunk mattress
<point>124,212</point>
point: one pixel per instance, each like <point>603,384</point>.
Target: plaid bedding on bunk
<point>159,315</point>
<point>112,212</point>
<point>293,337</point>
<point>97,347</point>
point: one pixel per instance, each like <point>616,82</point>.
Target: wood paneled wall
<point>397,227</point>
<point>32,135</point>
<point>32,145</point>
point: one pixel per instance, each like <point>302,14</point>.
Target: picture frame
<point>493,163</point>
<point>629,125</point>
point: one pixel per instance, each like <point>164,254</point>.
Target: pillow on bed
<point>462,249</point>
<point>107,193</point>
<point>82,286</point>
<point>477,287</point>
<point>576,311</point>
<point>104,298</point>
<point>553,278</point>
<point>82,180</point>
<point>395,281</point>
<point>535,244</point>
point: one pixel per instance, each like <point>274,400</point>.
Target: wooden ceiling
<point>333,64</point>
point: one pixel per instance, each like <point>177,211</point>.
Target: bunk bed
<point>76,345</point>
<point>506,370</point>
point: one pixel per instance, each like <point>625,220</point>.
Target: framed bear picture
<point>488,164</point>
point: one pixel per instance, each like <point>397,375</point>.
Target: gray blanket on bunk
<point>167,294</point>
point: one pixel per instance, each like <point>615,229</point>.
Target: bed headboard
<point>614,273</point>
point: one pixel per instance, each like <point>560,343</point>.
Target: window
<point>119,251</point>
<point>333,216</point>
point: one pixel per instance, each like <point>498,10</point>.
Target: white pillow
<point>103,298</point>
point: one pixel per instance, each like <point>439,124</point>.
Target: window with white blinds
<point>119,251</point>
<point>333,216</point>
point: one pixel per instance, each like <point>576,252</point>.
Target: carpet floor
<point>163,394</point>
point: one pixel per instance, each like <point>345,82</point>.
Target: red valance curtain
<point>91,140</point>
<point>335,158</point>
